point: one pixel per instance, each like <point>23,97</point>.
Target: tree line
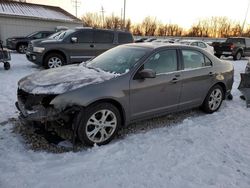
<point>216,27</point>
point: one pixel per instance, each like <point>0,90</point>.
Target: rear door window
<point>194,59</point>
<point>125,38</point>
<point>103,37</point>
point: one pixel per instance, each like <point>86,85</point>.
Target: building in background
<point>21,19</point>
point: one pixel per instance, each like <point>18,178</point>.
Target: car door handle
<point>174,80</point>
<point>92,45</point>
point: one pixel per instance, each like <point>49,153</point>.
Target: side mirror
<point>147,73</point>
<point>74,39</point>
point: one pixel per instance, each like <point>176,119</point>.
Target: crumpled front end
<point>36,107</point>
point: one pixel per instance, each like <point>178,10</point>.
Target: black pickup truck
<point>235,46</point>
<point>20,44</point>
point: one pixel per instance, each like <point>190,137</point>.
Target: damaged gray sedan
<point>125,84</point>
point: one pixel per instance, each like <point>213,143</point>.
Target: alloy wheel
<point>101,126</point>
<point>215,99</point>
<point>54,62</point>
<point>22,48</point>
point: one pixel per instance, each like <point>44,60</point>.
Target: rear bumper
<point>225,52</point>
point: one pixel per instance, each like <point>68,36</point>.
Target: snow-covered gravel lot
<point>201,151</point>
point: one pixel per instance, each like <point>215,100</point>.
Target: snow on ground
<point>204,151</point>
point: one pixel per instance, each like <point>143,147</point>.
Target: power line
<point>76,4</point>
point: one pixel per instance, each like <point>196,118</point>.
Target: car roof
<point>191,40</point>
<point>91,28</point>
<point>157,45</point>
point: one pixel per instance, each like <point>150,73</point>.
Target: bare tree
<point>149,26</point>
<point>92,20</point>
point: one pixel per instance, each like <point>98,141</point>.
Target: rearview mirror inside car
<point>74,39</point>
<point>147,73</point>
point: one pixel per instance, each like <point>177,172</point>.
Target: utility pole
<point>124,15</point>
<point>244,22</point>
<point>76,4</point>
<point>121,22</point>
<point>102,12</point>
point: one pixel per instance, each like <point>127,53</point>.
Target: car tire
<point>237,56</point>
<point>53,60</point>
<point>94,128</point>
<point>6,65</point>
<point>21,48</point>
<point>213,99</point>
<point>217,55</point>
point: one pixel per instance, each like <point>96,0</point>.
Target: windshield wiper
<point>96,69</point>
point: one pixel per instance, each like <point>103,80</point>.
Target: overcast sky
<point>182,12</point>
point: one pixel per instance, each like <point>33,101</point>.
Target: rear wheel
<point>213,99</point>
<point>21,48</point>
<point>99,124</point>
<point>54,60</point>
<point>218,55</point>
<point>238,56</point>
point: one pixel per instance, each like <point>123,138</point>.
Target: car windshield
<point>31,34</point>
<point>55,35</point>
<point>118,60</point>
<point>64,34</point>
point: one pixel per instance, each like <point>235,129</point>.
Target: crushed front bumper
<point>38,113</point>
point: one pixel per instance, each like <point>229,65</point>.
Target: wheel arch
<point>223,86</point>
<point>21,42</point>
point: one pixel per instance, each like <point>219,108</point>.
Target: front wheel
<point>99,124</point>
<point>54,60</point>
<point>213,99</point>
<point>22,48</point>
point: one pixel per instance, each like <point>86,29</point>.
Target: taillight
<point>232,46</point>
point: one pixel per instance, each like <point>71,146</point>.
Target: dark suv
<point>235,46</point>
<point>75,46</point>
<point>20,43</point>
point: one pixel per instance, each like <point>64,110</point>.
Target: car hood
<point>61,80</point>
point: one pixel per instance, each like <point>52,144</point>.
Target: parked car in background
<point>150,39</point>
<point>20,44</point>
<point>164,41</point>
<point>75,46</point>
<point>125,84</point>
<point>200,44</point>
<point>142,39</point>
<point>234,46</point>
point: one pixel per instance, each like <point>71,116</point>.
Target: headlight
<point>38,49</point>
<point>11,39</point>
